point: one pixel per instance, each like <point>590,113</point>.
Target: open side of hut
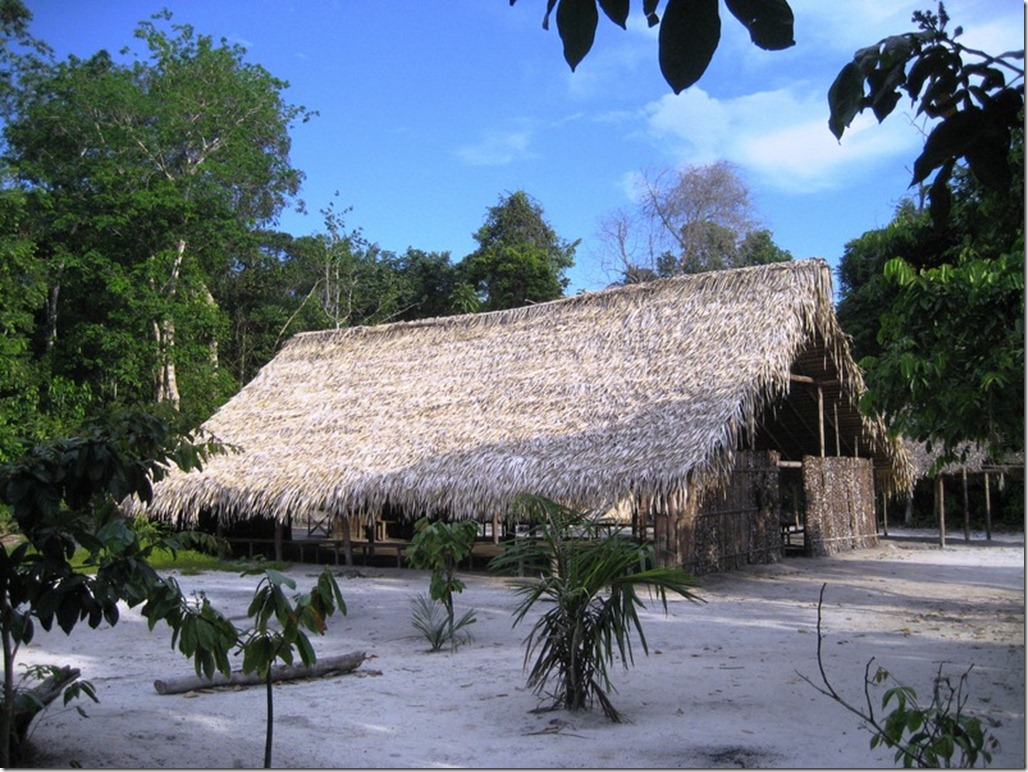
<point>974,467</point>
<point>701,401</point>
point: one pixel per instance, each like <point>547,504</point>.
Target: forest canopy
<point>142,266</point>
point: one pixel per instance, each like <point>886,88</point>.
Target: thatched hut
<point>695,399</point>
<point>972,463</point>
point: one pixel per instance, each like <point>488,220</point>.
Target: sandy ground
<point>721,686</point>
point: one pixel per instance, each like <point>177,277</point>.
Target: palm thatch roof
<point>971,458</point>
<point>641,390</point>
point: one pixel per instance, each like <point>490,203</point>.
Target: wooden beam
<point>797,378</point>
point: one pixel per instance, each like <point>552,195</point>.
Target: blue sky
<point>429,112</point>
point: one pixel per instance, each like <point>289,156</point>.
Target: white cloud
<point>996,36</point>
<point>778,136</point>
<point>239,40</point>
<point>497,148</point>
<point>851,25</point>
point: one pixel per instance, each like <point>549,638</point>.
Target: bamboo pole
<point>940,503</point>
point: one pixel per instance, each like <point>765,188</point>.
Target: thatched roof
<point>972,459</point>
<point>641,390</point>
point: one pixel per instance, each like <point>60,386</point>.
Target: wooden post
<point>279,528</point>
<point>496,528</point>
<point>940,502</point>
<point>668,546</point>
<point>885,514</point>
<point>821,414</point>
<point>838,443</point>
<point>988,510</point>
<point>340,531</point>
<point>967,510</point>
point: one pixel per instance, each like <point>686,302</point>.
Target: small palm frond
<point>430,619</point>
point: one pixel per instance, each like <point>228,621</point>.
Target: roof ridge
<point>704,281</point>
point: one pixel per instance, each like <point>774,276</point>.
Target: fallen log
<point>343,663</point>
<point>45,692</point>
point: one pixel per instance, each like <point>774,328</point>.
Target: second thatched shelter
<point>695,400</point>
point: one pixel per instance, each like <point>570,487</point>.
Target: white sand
<point>720,687</point>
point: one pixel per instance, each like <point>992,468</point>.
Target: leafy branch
<point>923,736</point>
<point>689,33</point>
<point>978,106</point>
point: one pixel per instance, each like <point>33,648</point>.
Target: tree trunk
<point>7,709</point>
<point>51,316</point>
<point>343,663</point>
<point>270,699</point>
<point>164,333</point>
<point>212,344</point>
<point>16,721</point>
<point>967,509</point>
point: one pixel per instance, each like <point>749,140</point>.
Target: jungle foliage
<point>139,260</point>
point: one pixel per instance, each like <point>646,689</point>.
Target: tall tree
<point>142,175</point>
<point>950,367</point>
<point>348,281</point>
<point>428,281</point>
<point>864,291</point>
<point>937,315</point>
<point>22,293</point>
<point>520,259</point>
<point>259,297</point>
<point>691,220</point>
